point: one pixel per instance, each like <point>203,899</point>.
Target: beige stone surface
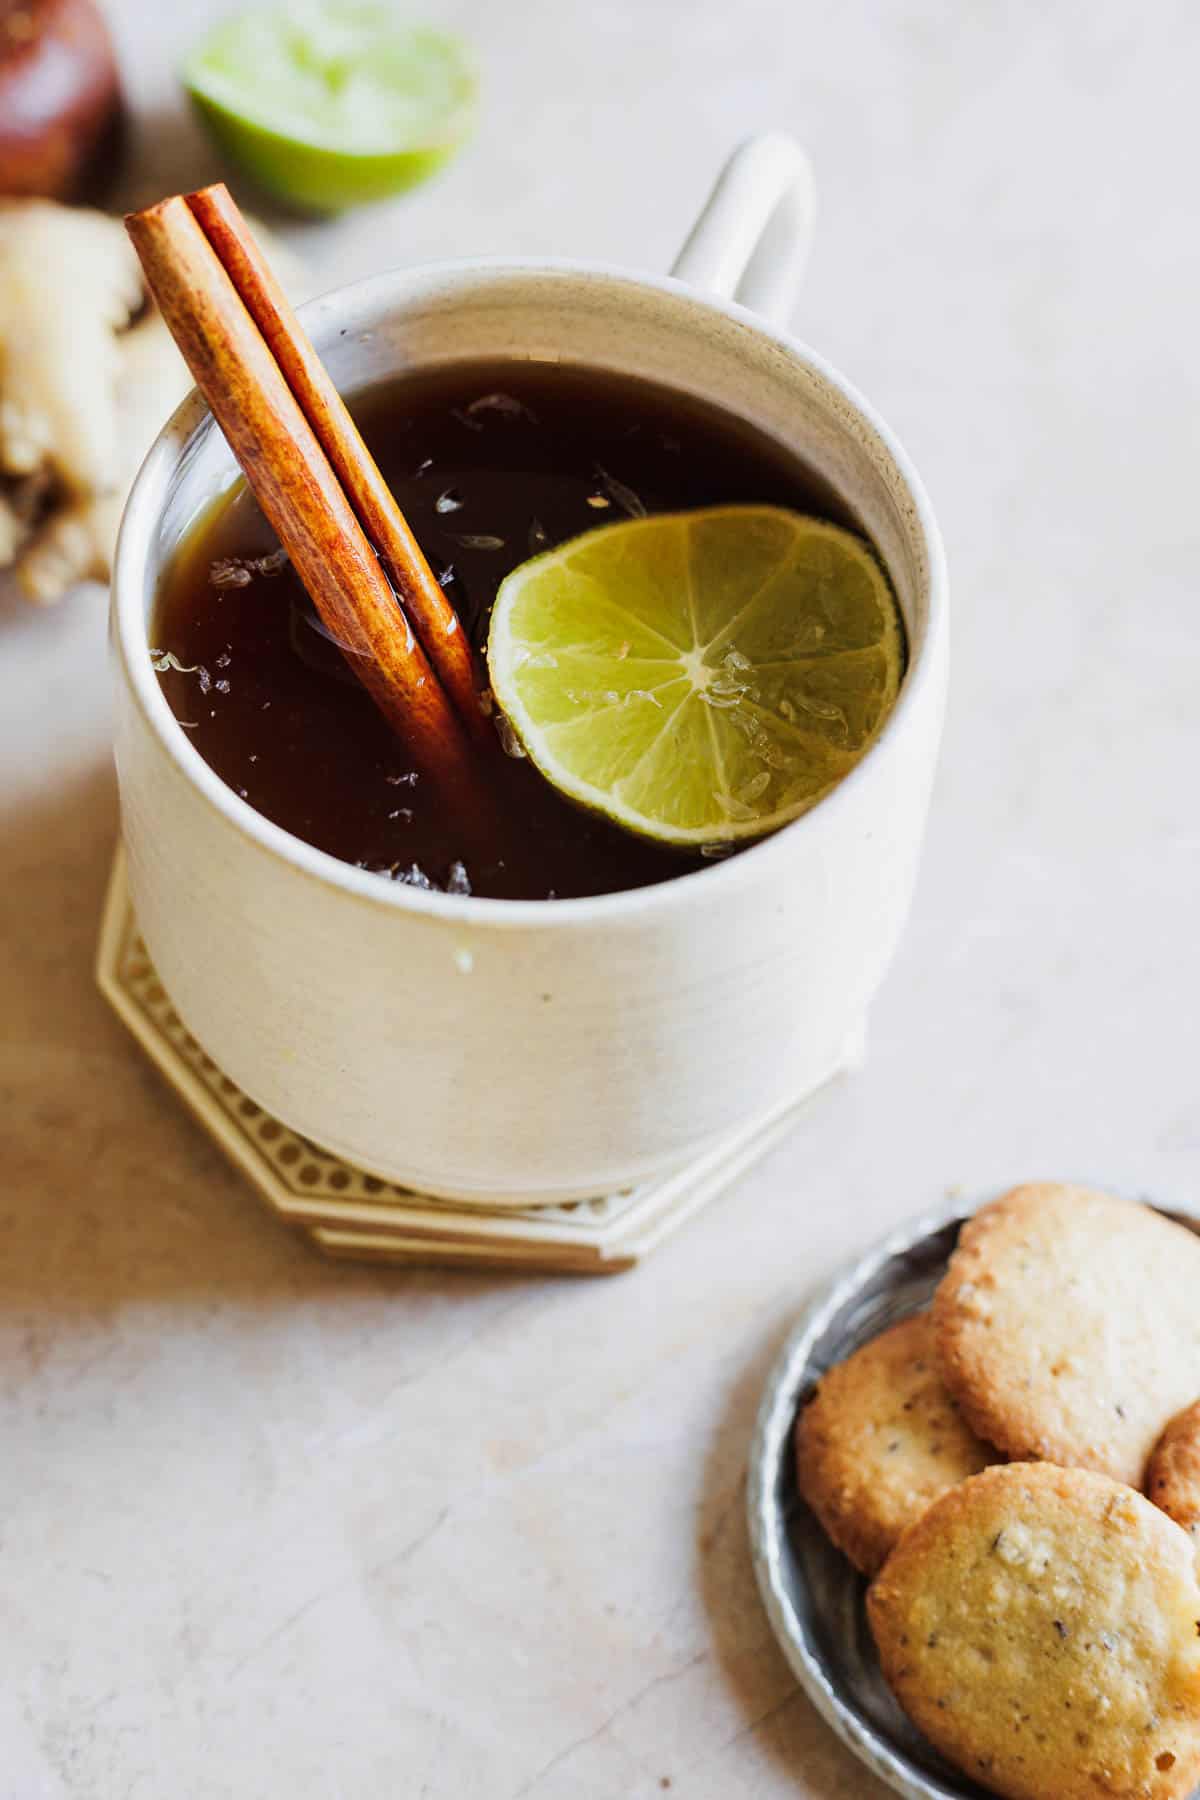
<point>271,1527</point>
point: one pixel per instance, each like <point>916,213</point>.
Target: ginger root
<point>88,375</point>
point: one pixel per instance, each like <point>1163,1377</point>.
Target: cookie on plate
<point>879,1439</point>
<point>1039,1625</point>
<point>1173,1472</point>
<point>1068,1326</point>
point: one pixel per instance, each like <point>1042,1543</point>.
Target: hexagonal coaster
<point>348,1213</point>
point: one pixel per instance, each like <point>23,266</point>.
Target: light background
<point>271,1528</point>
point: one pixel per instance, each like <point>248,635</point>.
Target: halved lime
<point>698,677</point>
<point>329,103</point>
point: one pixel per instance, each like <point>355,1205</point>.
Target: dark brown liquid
<point>490,463</point>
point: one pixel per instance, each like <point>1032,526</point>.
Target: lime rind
<point>700,678</point>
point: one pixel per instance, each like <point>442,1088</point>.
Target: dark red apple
<point>60,98</point>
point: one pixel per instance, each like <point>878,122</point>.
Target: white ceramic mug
<point>508,1051</point>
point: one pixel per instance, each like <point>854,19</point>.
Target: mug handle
<point>751,241</point>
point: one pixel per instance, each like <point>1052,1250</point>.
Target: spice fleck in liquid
<point>491,463</point>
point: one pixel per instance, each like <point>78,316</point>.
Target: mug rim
<point>131,639</point>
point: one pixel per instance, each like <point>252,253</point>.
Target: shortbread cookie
<point>1068,1327</point>
<point>879,1439</point>
<point>1039,1625</point>
<point>1173,1472</point>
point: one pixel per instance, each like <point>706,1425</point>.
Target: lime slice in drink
<point>329,103</point>
<point>698,677</point>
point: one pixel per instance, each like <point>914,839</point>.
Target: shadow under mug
<point>509,1052</point>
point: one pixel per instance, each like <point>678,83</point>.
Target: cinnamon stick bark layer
<point>433,618</point>
<point>295,483</point>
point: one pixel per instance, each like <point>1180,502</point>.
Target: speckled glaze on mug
<point>515,1051</point>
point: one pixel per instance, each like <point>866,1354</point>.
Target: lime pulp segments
<point>331,103</point>
<point>698,677</point>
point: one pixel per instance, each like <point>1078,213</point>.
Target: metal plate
<point>813,1596</point>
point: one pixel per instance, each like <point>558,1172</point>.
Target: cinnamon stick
<point>433,618</point>
<point>295,485</point>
